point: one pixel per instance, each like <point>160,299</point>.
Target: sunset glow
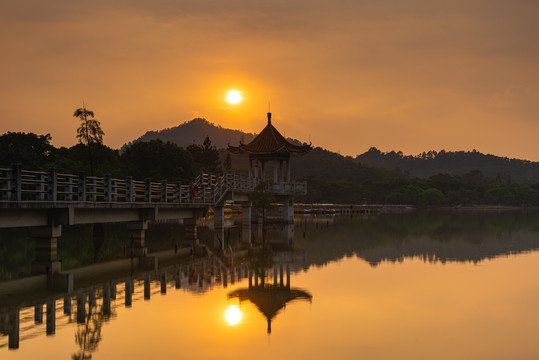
<point>233,97</point>
<point>347,75</point>
<point>233,315</point>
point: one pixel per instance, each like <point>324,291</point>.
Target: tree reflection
<point>88,334</point>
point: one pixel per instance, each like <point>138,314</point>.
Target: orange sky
<point>350,74</point>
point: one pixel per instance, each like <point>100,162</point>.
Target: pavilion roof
<point>270,299</point>
<point>268,142</point>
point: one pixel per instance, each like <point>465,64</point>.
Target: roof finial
<point>269,114</point>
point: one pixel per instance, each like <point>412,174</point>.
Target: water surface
<point>410,286</point>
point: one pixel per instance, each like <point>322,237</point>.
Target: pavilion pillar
<point>137,232</point>
<point>263,170</point>
<point>288,170</point>
<point>250,167</point>
<point>219,227</point>
<point>46,258</point>
<point>275,172</point>
<point>281,170</point>
<point>246,213</point>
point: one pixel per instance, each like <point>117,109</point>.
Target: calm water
<point>415,286</point>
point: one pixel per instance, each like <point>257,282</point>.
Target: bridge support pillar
<point>288,234</point>
<point>137,232</point>
<point>288,209</point>
<point>46,260</point>
<point>246,213</point>
<point>13,323</point>
<point>219,227</point>
<point>190,231</point>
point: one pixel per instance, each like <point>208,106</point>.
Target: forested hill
<point>194,132</point>
<point>425,165</point>
<point>455,163</point>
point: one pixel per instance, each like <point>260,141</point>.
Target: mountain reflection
<point>428,236</point>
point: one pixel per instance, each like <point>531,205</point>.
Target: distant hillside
<point>372,165</point>
<point>194,132</point>
<point>455,163</point>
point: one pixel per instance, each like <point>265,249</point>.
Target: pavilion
<point>270,146</point>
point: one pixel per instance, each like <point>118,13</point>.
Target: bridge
<point>46,201</point>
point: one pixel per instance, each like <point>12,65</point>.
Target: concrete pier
<point>219,227</point>
<point>46,258</point>
<point>246,214</point>
<point>137,234</point>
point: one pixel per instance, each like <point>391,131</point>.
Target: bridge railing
<point>39,186</point>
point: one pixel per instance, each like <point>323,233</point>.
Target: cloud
<point>389,70</point>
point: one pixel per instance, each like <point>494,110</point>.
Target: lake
<point>420,285</point>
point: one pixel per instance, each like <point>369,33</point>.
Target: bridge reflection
<point>29,315</point>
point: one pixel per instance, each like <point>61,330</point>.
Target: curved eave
<point>283,150</point>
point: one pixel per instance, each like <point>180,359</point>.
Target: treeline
<point>432,162</point>
<point>153,159</point>
<point>338,179</point>
<point>438,190</point>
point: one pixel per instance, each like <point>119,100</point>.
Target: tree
<point>205,155</point>
<point>31,150</point>
<point>158,160</point>
<point>89,131</point>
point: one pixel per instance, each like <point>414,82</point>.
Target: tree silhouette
<point>89,131</point>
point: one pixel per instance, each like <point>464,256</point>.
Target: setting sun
<point>233,315</point>
<point>233,96</point>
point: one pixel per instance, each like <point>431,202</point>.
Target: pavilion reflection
<point>270,299</point>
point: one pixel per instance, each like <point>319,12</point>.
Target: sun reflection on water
<point>233,315</point>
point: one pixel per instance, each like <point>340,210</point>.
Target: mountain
<point>194,132</point>
<point>455,163</point>
<point>372,165</point>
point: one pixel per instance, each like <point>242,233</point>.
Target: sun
<point>233,96</point>
<point>233,315</point>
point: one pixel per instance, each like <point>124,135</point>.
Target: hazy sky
<point>348,74</point>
